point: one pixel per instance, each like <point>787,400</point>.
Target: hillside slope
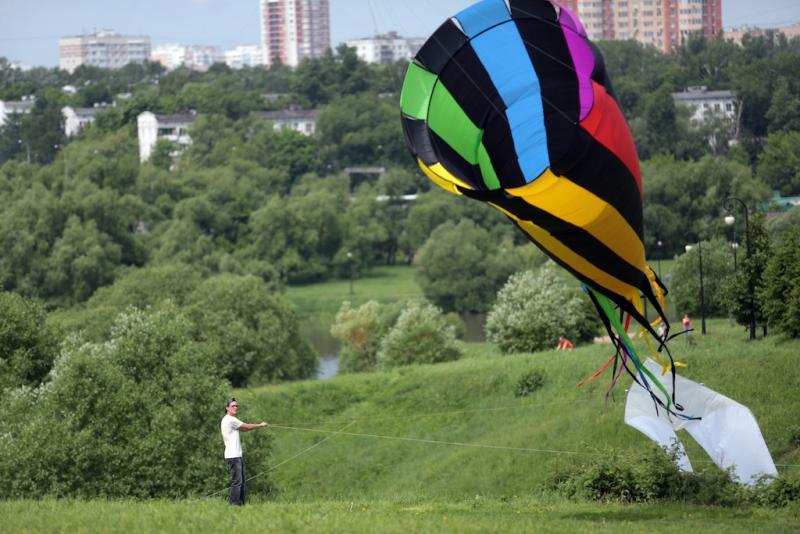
<point>461,431</point>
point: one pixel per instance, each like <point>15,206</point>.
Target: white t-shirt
<point>230,435</point>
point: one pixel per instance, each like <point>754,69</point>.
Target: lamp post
<point>702,288</point>
<point>750,289</point>
<point>27,148</point>
<point>350,264</point>
<point>729,221</point>
<point>659,257</point>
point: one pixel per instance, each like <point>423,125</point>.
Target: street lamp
<point>729,204</point>
<point>27,148</point>
<point>350,263</point>
<point>729,221</point>
<point>702,289</point>
<point>659,257</point>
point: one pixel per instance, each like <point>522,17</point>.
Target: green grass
<point>384,284</point>
<point>434,478</point>
<point>470,515</point>
<point>472,402</point>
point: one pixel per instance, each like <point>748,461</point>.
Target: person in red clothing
<point>564,344</point>
<point>687,328</point>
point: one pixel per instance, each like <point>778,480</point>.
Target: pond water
<point>317,330</point>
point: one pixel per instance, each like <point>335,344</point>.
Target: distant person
<point>687,328</point>
<point>564,344</point>
<point>231,426</point>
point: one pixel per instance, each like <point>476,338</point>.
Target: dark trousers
<point>236,467</point>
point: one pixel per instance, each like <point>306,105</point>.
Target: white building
<point>15,107</point>
<point>105,49</point>
<point>152,127</point>
<point>75,119</point>
<point>299,120</point>
<point>386,48</point>
<point>195,57</point>
<point>175,128</point>
<point>244,56</point>
<point>708,104</point>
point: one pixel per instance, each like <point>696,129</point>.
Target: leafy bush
<point>794,435</point>
<point>421,334</point>
<point>646,476</point>
<point>361,331</point>
<point>653,476</point>
<point>534,308</point>
<point>28,344</point>
<point>136,416</point>
<point>779,492</point>
<point>529,382</point>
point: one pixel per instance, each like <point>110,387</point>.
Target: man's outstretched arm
<point>247,427</point>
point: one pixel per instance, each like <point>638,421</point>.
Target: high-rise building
<point>664,24</point>
<point>292,30</point>
<point>105,49</point>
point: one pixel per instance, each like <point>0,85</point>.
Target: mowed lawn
<point>474,515</point>
<point>384,284</point>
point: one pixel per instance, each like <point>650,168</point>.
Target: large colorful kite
<point>509,103</point>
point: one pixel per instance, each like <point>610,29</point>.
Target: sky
<point>30,29</point>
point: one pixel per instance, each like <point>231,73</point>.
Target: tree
<point>781,290</point>
<point>745,291</point>
<point>534,308</point>
<point>421,334</point>
<point>28,344</point>
<point>83,259</point>
<point>784,109</point>
<point>253,332</point>
<point>119,419</point>
<point>361,129</point>
<point>460,268</point>
<point>779,163</point>
<point>42,130</point>
<point>685,283</point>
<point>299,234</point>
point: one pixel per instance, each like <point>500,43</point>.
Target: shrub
<point>534,308</point>
<point>136,416</point>
<point>28,344</point>
<point>420,335</point>
<point>361,331</point>
<point>529,382</point>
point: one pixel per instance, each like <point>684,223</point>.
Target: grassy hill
<point>457,430</point>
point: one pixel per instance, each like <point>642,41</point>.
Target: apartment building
<point>244,56</point>
<point>195,57</point>
<point>105,49</point>
<point>13,108</point>
<point>386,48</point>
<point>293,30</point>
<point>664,24</point>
